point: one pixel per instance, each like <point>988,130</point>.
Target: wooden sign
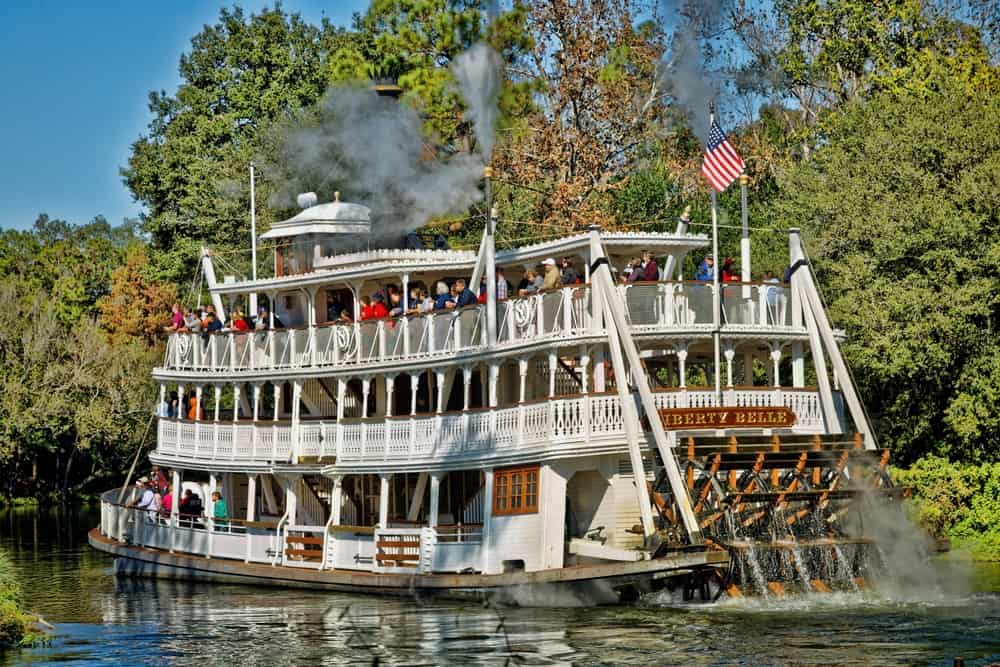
<point>688,419</point>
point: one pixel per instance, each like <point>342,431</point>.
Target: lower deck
<point>596,582</point>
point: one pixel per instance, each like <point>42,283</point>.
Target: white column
<point>277,400</point>
<point>494,371</point>
<point>552,374</point>
<point>383,500</point>
<point>730,353</point>
<point>682,355</point>
<point>439,381</point>
<point>487,520</point>
<point>798,365</point>
<point>197,403</point>
<point>522,368</point>
<point>776,364</point>
<point>213,486</point>
<point>251,496</point>
<point>341,397</point>
<point>434,509</point>
<point>218,399</point>
<point>390,388</point>
<point>466,387</point>
<point>366,385</point>
<point>256,402</point>
<point>414,386</point>
<point>292,498</point>
<point>236,401</point>
<point>176,496</point>
<point>336,500</point>
<point>584,370</point>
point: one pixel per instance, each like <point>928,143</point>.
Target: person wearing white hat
<point>147,499</point>
<point>552,278</point>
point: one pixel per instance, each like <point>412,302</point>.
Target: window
<point>515,490</point>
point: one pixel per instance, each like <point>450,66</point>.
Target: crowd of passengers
<point>390,301</point>
<point>155,496</point>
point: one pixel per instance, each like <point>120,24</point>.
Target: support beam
<point>383,500</point>
<point>620,339</point>
<point>418,497</point>
<point>434,509</point>
<point>251,497</point>
<point>830,420</point>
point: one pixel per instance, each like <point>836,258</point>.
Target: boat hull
<point>603,583</point>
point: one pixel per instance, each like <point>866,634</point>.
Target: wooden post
<point>733,447</point>
<point>775,472</point>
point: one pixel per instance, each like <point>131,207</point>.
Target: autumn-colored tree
<point>136,307</point>
<point>597,99</point>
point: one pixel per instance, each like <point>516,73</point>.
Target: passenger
<point>366,308</point>
<point>552,278</point>
<point>159,479</point>
<point>176,319</point>
<point>635,275</point>
<point>503,286</point>
<point>213,325</point>
<point>482,290</point>
<point>219,510</point>
<point>333,307</point>
<point>532,283</point>
<point>147,499</point>
<point>379,309</point>
<point>167,505</point>
<point>706,269</point>
<point>729,272</point>
<point>397,305</point>
<point>413,304</point>
<point>163,409</point>
<point>195,412</point>
<point>345,317</point>
<point>444,297</point>
<point>264,320</point>
<point>772,292</point>
<point>569,274</point>
<point>427,302</point>
<point>193,321</point>
<point>463,295</point>
<point>174,405</point>
<point>650,269</point>
<point>239,322</point>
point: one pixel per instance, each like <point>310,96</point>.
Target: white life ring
<point>524,313</point>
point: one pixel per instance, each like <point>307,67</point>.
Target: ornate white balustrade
<point>528,427</point>
<point>562,313</point>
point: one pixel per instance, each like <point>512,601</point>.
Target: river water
<point>102,620</point>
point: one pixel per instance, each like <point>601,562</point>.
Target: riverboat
<point>606,438</point>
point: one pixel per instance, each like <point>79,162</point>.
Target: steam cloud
<point>478,73</point>
<point>371,148</point>
<point>684,76</point>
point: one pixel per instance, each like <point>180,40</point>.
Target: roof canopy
<point>333,218</point>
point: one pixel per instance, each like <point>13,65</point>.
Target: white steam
<point>478,74</point>
<point>371,149</point>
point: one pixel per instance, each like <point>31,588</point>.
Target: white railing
<point>231,539</point>
<point>556,423</point>
<point>560,313</point>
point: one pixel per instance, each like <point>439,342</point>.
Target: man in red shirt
<point>379,309</point>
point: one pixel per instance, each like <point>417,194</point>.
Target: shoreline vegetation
<point>873,127</point>
<point>17,627</point>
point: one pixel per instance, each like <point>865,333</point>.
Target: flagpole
<point>253,242</point>
<point>716,296</point>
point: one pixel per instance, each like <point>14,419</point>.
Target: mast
<point>716,296</point>
<point>489,248</point>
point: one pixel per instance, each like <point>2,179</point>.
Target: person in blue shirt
<point>463,295</point>
<point>444,298</point>
<point>705,269</point>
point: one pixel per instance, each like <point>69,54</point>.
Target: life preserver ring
<point>524,313</point>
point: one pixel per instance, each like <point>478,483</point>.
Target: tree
<point>900,208</point>
<point>190,170</point>
<point>136,308</point>
<point>596,102</point>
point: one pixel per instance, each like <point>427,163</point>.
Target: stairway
<point>321,489</point>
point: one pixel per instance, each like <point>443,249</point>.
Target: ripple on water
<point>104,621</point>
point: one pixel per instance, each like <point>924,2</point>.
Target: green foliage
<point>14,623</point>
<point>190,171</point>
<point>901,214</point>
<point>961,502</point>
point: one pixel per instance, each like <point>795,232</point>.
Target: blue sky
<point>75,81</point>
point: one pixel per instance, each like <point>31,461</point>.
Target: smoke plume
<point>371,149</point>
<point>684,76</point>
<point>478,74</point>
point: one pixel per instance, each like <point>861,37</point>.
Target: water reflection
<point>103,620</point>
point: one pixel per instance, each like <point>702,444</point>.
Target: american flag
<point>722,165</point>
